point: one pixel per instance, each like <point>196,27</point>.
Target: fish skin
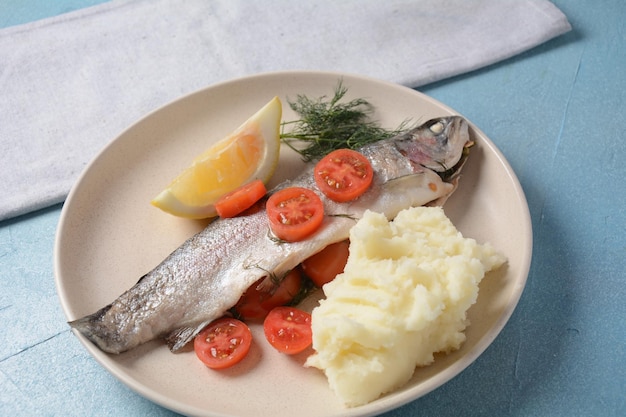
<point>208,273</point>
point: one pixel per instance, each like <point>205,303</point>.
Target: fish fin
<point>179,338</point>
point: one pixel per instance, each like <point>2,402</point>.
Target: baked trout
<point>207,274</point>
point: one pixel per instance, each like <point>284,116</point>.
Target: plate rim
<point>381,405</point>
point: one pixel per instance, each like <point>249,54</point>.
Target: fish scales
<point>209,272</point>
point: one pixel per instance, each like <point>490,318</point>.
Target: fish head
<point>440,144</point>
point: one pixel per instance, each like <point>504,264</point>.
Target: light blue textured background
<point>558,113</point>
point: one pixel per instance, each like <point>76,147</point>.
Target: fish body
<point>208,273</point>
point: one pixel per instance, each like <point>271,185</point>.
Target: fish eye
<point>436,127</point>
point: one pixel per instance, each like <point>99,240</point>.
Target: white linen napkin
<point>71,83</point>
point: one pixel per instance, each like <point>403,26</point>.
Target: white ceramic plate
<point>109,235</point>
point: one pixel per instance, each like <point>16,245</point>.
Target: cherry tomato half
<point>288,329</point>
<point>294,213</point>
<point>325,265</point>
<point>223,343</point>
<point>256,302</point>
<point>240,199</point>
<point>343,175</point>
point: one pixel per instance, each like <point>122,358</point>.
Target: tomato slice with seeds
<point>256,303</point>
<point>343,175</point>
<point>240,199</point>
<point>325,265</point>
<point>288,329</point>
<point>223,343</point>
<point>294,213</point>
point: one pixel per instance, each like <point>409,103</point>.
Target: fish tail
<point>94,329</point>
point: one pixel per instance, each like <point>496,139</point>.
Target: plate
<point>109,235</point>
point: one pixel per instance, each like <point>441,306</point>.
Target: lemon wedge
<point>248,153</point>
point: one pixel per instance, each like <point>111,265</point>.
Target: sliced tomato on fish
<point>288,329</point>
<point>294,213</point>
<point>325,265</point>
<point>259,300</point>
<point>343,175</point>
<point>223,343</point>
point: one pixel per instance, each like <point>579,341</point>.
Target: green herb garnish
<point>326,125</point>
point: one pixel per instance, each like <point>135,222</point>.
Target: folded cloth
<point>72,83</point>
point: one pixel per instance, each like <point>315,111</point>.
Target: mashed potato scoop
<point>402,297</point>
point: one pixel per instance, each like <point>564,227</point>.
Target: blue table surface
<point>558,113</point>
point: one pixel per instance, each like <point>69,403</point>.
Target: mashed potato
<point>402,297</point>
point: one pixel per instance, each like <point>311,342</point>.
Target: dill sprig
<point>329,124</point>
